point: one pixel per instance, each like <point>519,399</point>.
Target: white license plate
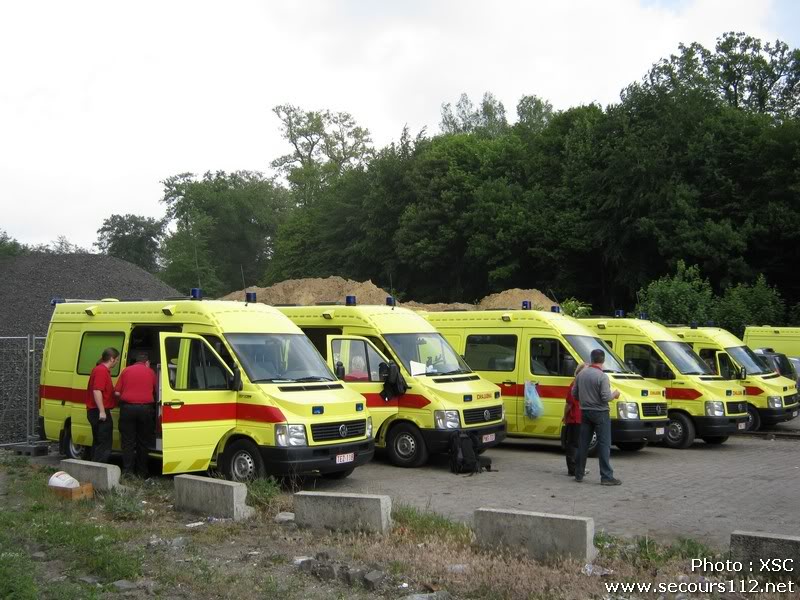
<point>742,425</point>
<point>659,431</point>
<point>794,414</point>
<point>345,458</point>
<point>489,437</point>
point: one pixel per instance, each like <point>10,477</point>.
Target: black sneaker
<point>611,482</point>
<point>579,479</point>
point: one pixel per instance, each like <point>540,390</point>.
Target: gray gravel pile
<point>28,283</point>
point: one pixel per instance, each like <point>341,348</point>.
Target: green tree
<point>488,119</point>
<point>745,304</point>
<point>681,298</point>
<point>10,246</point>
<point>133,238</point>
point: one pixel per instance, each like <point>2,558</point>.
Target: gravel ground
<point>30,282</point>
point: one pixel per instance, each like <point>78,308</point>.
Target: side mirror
<point>568,366</point>
<point>743,373</point>
<point>394,373</point>
<point>383,371</point>
<point>339,370</point>
<point>664,372</point>
<point>236,380</point>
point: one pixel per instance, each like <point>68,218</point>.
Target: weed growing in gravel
<point>646,553</point>
<point>415,523</point>
<point>123,505</point>
<point>263,493</point>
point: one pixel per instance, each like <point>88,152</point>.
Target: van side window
<point>92,345</point>
<point>550,357</point>
<point>204,370</point>
<point>642,359</point>
<point>709,356</point>
<point>491,352</point>
<point>360,361</point>
<point>726,368</point>
<point>220,349</point>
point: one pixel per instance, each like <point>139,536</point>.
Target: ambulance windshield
<point>279,358</point>
<point>426,354</point>
<point>748,359</point>
<point>583,345</point>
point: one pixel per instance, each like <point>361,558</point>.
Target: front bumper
<point>315,459</point>
<point>637,430</point>
<point>770,416</point>
<point>718,426</point>
<point>438,440</point>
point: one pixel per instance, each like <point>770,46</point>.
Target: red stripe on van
<point>558,392</point>
<point>222,411</point>
<point>66,394</point>
<point>404,401</point>
<point>681,394</point>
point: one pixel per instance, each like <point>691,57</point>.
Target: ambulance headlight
<point>369,427</point>
<point>774,401</point>
<point>628,410</point>
<point>714,409</point>
<point>446,419</point>
<point>290,435</point>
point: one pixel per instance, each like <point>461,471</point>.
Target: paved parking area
<point>704,492</point>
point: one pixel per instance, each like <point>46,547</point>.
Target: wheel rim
<point>243,467</point>
<point>74,449</point>
<point>750,420</point>
<point>405,445</point>
<point>593,441</point>
<point>675,431</point>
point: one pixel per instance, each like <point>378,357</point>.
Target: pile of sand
<point>334,289</point>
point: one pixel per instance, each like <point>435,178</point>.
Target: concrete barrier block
<point>364,512</point>
<point>212,497</point>
<point>751,547</point>
<point>103,477</point>
<point>545,537</point>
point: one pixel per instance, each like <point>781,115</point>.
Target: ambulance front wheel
<point>680,431</point>
<point>72,450</point>
<point>241,461</point>
<point>406,446</point>
<point>753,418</point>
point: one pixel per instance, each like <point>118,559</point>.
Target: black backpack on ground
<point>463,454</point>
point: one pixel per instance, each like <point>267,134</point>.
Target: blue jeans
<point>599,422</point>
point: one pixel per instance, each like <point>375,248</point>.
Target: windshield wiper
<point>273,380</point>
<point>694,373</point>
<point>454,372</point>
<point>311,378</point>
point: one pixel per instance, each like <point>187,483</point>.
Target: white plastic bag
<point>63,480</point>
<point>533,403</point>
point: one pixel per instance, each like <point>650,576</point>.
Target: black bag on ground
<point>463,458</point>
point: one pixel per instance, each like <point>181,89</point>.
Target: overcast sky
<point>100,101</point>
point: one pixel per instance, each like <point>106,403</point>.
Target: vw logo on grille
<point>343,430</point>
<point>658,409</point>
<point>487,415</point>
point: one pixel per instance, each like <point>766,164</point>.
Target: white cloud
<point>99,101</point>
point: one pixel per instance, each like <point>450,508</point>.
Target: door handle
<point>508,382</point>
<point>173,403</point>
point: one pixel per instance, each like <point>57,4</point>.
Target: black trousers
<point>573,436</point>
<point>102,434</point>
<point>137,433</point>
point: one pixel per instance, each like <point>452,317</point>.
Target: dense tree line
<point>698,162</point>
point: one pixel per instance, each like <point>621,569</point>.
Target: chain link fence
<point>20,366</point>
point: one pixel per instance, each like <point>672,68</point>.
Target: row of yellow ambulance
<point>251,390</point>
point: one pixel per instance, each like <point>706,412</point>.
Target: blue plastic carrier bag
<point>533,403</point>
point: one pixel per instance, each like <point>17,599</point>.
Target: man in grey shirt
<point>593,391</point>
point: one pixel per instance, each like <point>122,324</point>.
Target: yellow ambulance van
<point>779,339</point>
<point>701,404</point>
<point>368,345</point>
<point>770,397</point>
<point>509,347</point>
<point>241,388</point>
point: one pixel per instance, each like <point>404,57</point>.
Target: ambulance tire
<point>753,419</point>
<point>630,446</point>
<point>715,440</point>
<point>241,461</point>
<point>71,449</point>
<point>680,432</point>
<point>339,474</point>
<point>406,446</point>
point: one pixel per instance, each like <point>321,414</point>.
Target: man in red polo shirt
<point>572,425</point>
<point>137,387</point>
<point>99,402</point>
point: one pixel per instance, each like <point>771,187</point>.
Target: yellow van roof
<point>229,316</point>
<point>515,318</point>
<point>385,319</point>
<point>716,335</point>
<point>620,326</point>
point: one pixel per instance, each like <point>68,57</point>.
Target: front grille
<point>654,409</point>
<point>735,408</point>
<point>789,400</point>
<point>325,432</point>
<point>479,415</point>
